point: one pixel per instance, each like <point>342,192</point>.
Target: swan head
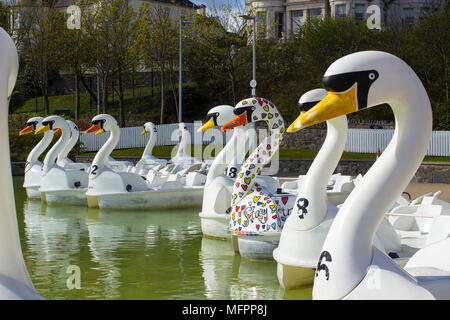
<point>54,123</point>
<point>361,80</point>
<point>149,127</point>
<point>306,102</point>
<point>253,110</point>
<point>33,124</point>
<point>217,116</point>
<point>181,128</point>
<point>102,123</point>
<point>73,127</point>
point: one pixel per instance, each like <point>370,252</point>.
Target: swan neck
<point>262,155</point>
<point>314,187</point>
<point>50,158</point>
<point>349,241</point>
<point>34,155</point>
<point>148,151</point>
<point>69,146</point>
<point>12,264</point>
<point>224,157</point>
<point>104,152</point>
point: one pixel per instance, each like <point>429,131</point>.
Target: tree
<point>44,26</point>
<point>161,48</point>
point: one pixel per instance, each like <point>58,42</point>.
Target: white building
<point>281,18</point>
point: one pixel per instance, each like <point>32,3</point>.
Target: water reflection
<point>135,255</point>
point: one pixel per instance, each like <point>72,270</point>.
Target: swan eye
<point>371,76</point>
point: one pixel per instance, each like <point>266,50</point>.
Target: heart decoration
<point>237,184</point>
<point>244,187</point>
<point>276,114</point>
<point>264,115</point>
<point>251,166</point>
<point>250,191</point>
<point>274,225</point>
<point>247,180</point>
<point>266,108</point>
<point>257,227</point>
<point>284,199</point>
<point>247,172</point>
<point>256,198</point>
<point>274,126</point>
<point>241,175</point>
<point>270,116</point>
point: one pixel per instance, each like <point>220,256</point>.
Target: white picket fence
<point>369,140</point>
<point>359,140</point>
<point>131,137</point>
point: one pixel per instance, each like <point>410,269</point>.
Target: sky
<point>219,3</point>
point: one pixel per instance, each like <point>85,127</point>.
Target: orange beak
<point>239,120</point>
<point>93,128</point>
<point>57,130</point>
<point>26,130</point>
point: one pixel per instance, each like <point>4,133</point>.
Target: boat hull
<point>214,225</point>
<point>151,200</point>
<point>69,197</point>
<point>33,193</point>
<point>256,247</point>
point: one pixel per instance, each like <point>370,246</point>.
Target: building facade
<point>282,18</point>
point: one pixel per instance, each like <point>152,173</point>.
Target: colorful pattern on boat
<point>255,210</point>
<point>260,212</point>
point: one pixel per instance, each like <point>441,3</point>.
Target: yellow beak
<point>332,106</point>
<point>42,129</point>
<point>99,132</point>
<point>208,125</point>
<point>143,132</point>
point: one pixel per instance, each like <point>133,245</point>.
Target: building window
<point>297,20</point>
<point>314,13</point>
<point>280,24</point>
<point>408,16</point>
<point>261,24</point>
<point>360,12</point>
<point>340,11</point>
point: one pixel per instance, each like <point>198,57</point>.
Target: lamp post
<point>253,81</point>
<point>180,85</point>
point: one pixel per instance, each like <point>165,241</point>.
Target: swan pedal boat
<point>108,189</point>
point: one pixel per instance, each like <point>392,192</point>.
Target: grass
<point>165,151</point>
<point>141,101</point>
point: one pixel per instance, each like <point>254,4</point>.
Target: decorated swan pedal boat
<point>109,189</point>
<point>349,266</point>
<point>15,281</point>
<point>33,166</point>
<point>257,213</point>
<point>62,185</point>
<point>223,172</point>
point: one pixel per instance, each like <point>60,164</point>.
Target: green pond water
<point>135,255</point>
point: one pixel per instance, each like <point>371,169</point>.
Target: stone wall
<point>312,138</point>
<point>428,172</point>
